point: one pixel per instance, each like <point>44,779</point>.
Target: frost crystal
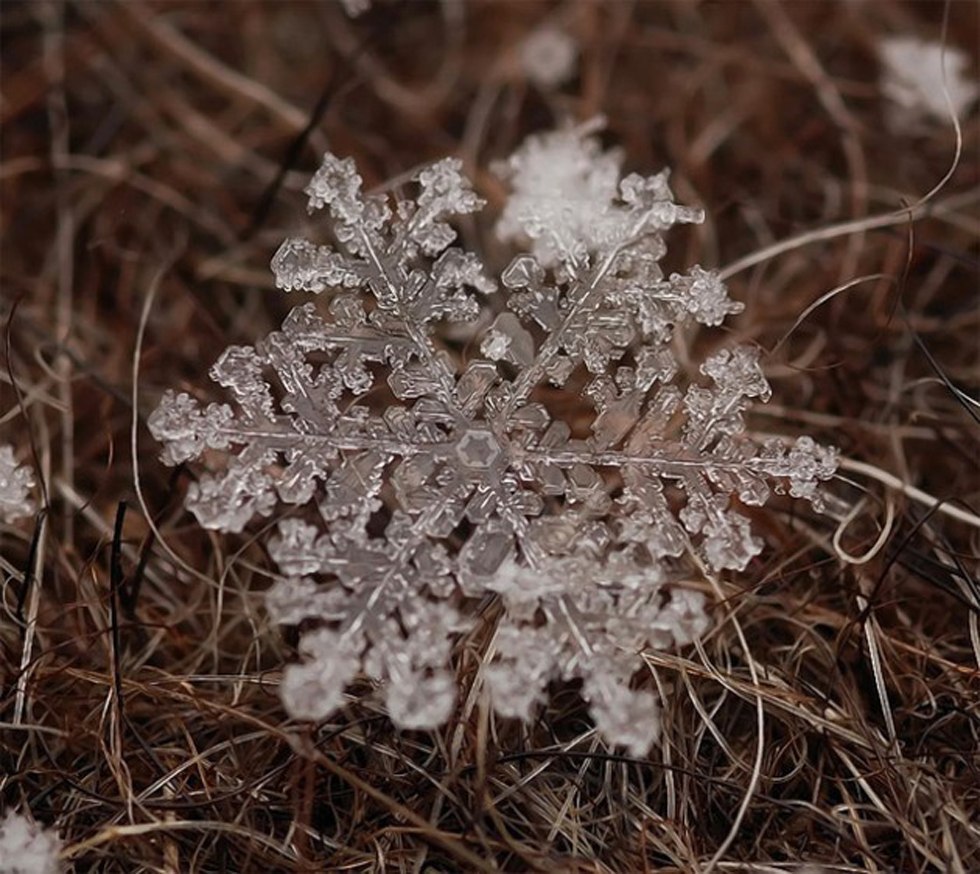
<point>16,482</point>
<point>26,848</point>
<point>418,480</point>
<point>912,79</point>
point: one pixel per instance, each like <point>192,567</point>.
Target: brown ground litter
<point>155,151</point>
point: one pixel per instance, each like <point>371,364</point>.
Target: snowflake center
<point>478,449</point>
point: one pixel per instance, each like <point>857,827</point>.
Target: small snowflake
<point>26,847</point>
<point>912,79</point>
<point>354,8</point>
<point>548,57</point>
<point>421,483</point>
<point>568,199</point>
<point>16,482</point>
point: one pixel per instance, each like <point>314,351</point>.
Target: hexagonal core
<point>478,448</point>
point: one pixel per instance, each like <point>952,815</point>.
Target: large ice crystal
<point>567,469</point>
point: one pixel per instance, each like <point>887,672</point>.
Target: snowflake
<point>26,848</point>
<point>423,478</point>
<point>354,8</point>
<point>548,57</point>
<point>16,482</point>
<point>913,80</point>
<point>569,201</point>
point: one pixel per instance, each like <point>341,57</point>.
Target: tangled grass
<point>152,159</point>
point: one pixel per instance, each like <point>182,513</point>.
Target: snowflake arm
<point>597,621</point>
